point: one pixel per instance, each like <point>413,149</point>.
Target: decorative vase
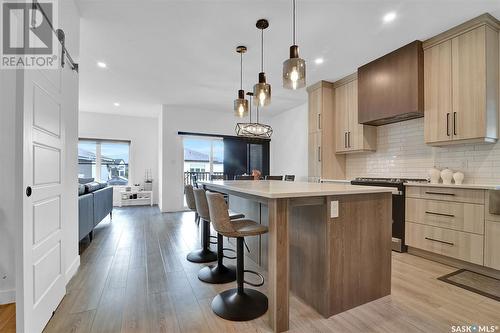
<point>446,176</point>
<point>435,175</point>
<point>458,177</point>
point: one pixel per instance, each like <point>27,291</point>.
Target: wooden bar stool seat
<point>239,304</point>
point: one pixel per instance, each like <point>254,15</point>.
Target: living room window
<point>104,160</point>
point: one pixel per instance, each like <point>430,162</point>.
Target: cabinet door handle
<point>319,154</point>
<point>345,139</point>
<point>440,214</point>
<point>448,124</point>
<point>440,193</point>
<point>454,123</point>
<point>319,121</point>
<point>439,241</point>
<point>349,139</point>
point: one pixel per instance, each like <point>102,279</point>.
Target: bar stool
<point>204,254</point>
<point>188,191</point>
<point>238,304</point>
<point>218,273</point>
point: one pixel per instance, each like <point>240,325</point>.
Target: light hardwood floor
<point>134,278</point>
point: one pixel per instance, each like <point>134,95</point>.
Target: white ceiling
<point>182,53</point>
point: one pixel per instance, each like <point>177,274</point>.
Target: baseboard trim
<point>7,296</point>
<point>454,262</point>
<point>72,269</point>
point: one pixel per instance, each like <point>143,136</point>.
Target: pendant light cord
<point>293,20</point>
<point>241,71</point>
<point>250,101</point>
<point>262,48</point>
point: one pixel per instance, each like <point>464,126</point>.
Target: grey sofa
<point>94,204</point>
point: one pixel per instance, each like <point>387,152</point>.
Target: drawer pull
<point>440,214</point>
<point>439,241</point>
<point>440,193</point>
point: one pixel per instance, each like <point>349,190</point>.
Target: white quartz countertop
<point>276,189</point>
<point>465,186</point>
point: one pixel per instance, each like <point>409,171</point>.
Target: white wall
<point>142,132</point>
<point>289,143</point>
<point>186,121</point>
<point>11,180</point>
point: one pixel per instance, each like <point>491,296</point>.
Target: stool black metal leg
<point>204,254</point>
<point>240,304</point>
<point>218,273</point>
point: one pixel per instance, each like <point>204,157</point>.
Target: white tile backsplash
<point>401,152</point>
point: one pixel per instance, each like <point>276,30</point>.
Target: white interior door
<point>43,284</point>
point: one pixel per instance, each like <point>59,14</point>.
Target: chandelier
<point>253,130</point>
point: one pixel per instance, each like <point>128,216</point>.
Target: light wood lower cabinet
<point>456,244</point>
<point>492,244</point>
<point>451,215</point>
<point>446,194</point>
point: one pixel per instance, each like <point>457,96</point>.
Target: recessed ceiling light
<point>318,61</point>
<point>101,64</point>
<point>116,104</point>
<point>389,17</point>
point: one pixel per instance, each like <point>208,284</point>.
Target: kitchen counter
<point>276,189</point>
<point>329,243</point>
<point>464,186</point>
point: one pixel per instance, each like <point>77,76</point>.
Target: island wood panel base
<point>359,249</point>
<point>335,263</point>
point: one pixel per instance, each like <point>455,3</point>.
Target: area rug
<point>475,282</point>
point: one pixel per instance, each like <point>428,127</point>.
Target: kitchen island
<point>330,244</point>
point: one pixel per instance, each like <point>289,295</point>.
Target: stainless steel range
<point>398,205</point>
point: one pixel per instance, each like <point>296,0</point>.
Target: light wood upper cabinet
<point>461,85</point>
<point>315,106</point>
<point>350,135</point>
<point>323,163</point>
<point>437,93</point>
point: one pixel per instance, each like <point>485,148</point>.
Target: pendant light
<point>262,90</point>
<point>241,104</point>
<point>253,130</point>
<point>294,69</point>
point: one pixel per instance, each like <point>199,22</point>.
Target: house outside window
<point>105,160</point>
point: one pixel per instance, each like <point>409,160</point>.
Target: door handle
<point>349,139</point>
<point>319,154</point>
<point>28,191</point>
<point>439,241</point>
<point>454,123</point>
<point>345,139</point>
<point>448,124</point>
<point>319,121</point>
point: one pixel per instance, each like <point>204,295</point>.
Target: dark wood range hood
<point>391,88</point>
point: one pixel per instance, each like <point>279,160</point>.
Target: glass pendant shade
<point>241,105</point>
<point>262,91</point>
<point>294,70</point>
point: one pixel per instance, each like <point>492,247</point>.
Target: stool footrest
<point>213,242</point>
<point>261,283</point>
<point>230,250</point>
